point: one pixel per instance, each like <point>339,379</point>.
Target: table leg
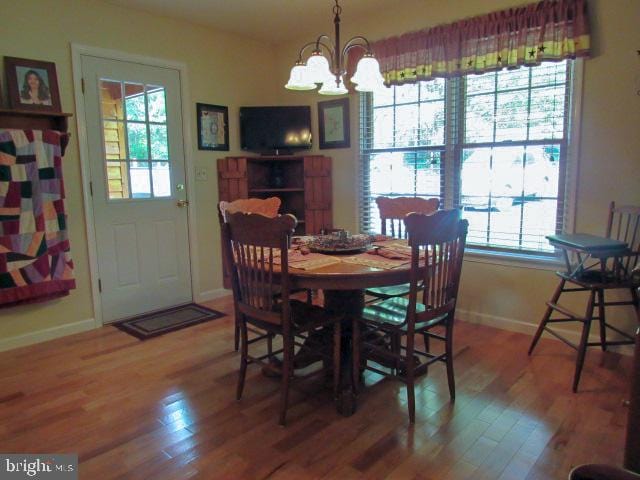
<point>350,303</point>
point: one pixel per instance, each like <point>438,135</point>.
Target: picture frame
<point>32,85</point>
<point>333,122</point>
<point>213,127</point>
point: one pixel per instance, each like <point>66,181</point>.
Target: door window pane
<point>140,183</point>
<point>157,104</point>
<point>159,144</point>
<point>161,179</point>
<point>135,136</point>
<point>135,104</point>
<point>111,100</point>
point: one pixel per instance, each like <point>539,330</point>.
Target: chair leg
<point>601,320</point>
<point>309,296</point>
<point>356,348</point>
<point>584,339</point>
<point>337,337</point>
<point>410,379</point>
<point>636,301</point>
<point>546,316</point>
<point>236,332</point>
<point>427,348</point>
<point>449,354</point>
<point>396,349</point>
<point>243,360</point>
<point>287,368</point>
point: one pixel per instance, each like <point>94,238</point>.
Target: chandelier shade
<point>325,67</point>
<point>333,87</point>
<point>299,78</point>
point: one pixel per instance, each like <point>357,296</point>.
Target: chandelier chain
<point>337,9</point>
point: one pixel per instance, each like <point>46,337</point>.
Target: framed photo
<point>32,85</point>
<point>333,121</point>
<point>213,127</point>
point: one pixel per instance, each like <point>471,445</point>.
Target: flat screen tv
<point>278,130</point>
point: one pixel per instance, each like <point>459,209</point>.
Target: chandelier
<point>326,66</point>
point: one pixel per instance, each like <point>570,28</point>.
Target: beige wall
<point>609,152</point>
<point>222,70</point>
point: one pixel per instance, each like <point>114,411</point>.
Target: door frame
<point>77,51</point>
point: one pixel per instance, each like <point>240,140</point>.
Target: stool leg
<point>601,319</point>
<point>546,316</point>
<point>584,339</point>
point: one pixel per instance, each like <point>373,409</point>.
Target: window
<point>494,145</point>
<point>135,140</point>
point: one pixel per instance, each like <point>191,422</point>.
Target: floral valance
<point>550,30</point>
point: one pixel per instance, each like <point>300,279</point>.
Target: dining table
<point>343,279</point>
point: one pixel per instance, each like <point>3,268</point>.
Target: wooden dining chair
<point>267,207</point>
<point>254,242</point>
<point>392,214</point>
<point>433,291</point>
<point>623,224</point>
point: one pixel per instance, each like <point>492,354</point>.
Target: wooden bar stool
<point>600,265</point>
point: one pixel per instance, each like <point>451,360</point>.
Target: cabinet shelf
<point>275,190</point>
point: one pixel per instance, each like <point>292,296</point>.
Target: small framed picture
<point>213,127</point>
<point>32,85</point>
<point>333,121</point>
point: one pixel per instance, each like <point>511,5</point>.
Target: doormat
<point>153,324</point>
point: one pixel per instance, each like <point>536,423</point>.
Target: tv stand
<point>302,182</point>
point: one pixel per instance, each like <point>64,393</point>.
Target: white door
<point>136,152</point>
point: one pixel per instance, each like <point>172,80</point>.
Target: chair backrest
<point>264,206</point>
<point>253,242</point>
<point>624,224</point>
<point>393,211</point>
<point>441,238</point>
<point>268,207</point>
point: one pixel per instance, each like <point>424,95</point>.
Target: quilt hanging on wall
<point>35,263</point>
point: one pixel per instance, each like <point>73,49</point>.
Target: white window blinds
<point>494,145</point>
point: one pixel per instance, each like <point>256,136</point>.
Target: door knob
<point>182,203</point>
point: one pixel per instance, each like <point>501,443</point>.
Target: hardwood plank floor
<point>165,409</point>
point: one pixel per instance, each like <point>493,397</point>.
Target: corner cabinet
<point>303,184</point>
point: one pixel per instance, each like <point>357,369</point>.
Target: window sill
<point>516,260</point>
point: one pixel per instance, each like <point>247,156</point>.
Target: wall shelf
<point>35,120</point>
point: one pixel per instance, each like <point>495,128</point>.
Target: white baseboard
<point>47,334</point>
<point>519,326</point>
<point>209,295</point>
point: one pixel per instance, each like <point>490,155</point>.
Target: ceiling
<point>274,21</point>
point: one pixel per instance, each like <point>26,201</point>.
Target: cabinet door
<point>317,194</point>
<point>232,185</point>
<point>232,178</point>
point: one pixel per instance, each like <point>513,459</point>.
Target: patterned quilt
<point>35,263</point>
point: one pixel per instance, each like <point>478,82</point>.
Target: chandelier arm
<point>357,41</point>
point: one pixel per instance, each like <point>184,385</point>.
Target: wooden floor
<point>165,409</point>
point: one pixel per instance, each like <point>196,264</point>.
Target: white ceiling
<point>274,21</point>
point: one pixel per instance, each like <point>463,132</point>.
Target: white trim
<point>514,260</point>
<point>573,155</point>
<point>77,51</point>
<point>209,295</point>
<point>47,334</point>
<point>513,325</point>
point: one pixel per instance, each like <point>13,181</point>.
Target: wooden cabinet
<point>303,184</point>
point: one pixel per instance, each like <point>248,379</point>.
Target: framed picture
<point>32,85</point>
<point>213,127</point>
<point>333,121</point>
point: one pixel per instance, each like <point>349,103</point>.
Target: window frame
<point>450,185</point>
